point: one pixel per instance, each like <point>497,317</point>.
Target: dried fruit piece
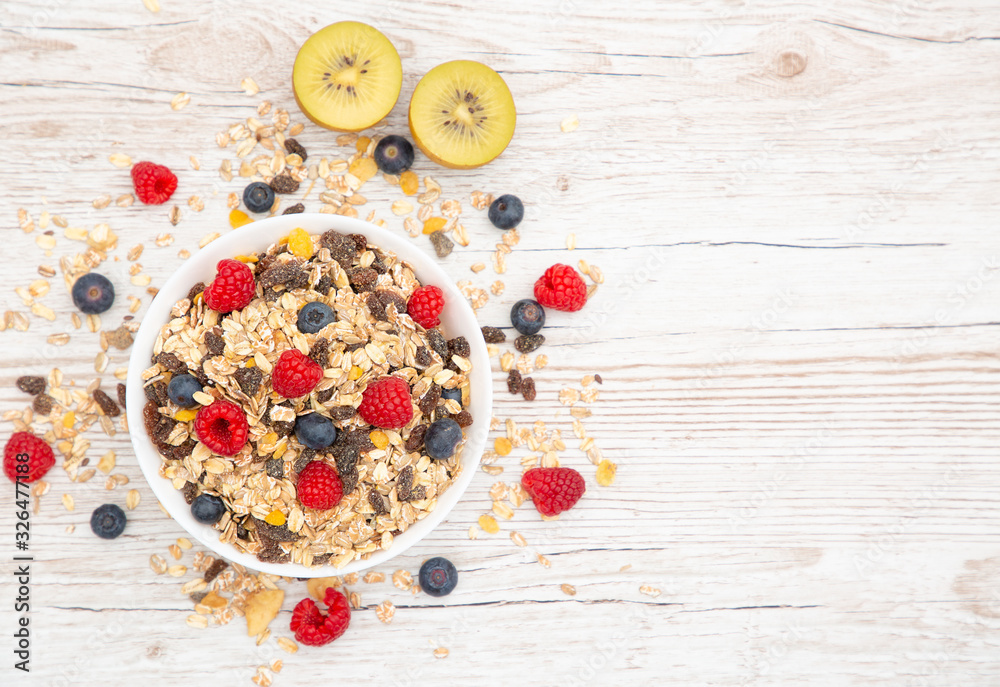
<point>261,608</point>
<point>528,389</point>
<point>526,343</point>
<point>106,404</point>
<point>300,243</point>
<point>409,182</point>
<point>606,473</point>
<point>31,385</point>
<point>514,381</point>
<point>489,524</point>
<point>493,335</point>
<point>434,224</point>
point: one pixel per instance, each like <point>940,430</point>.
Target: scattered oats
<point>493,469</point>
<point>134,252</point>
<point>196,203</point>
<point>568,589</point>
<point>176,570</point>
<point>650,591</point>
<point>401,579</point>
<point>132,499</point>
<point>193,161</point>
<point>158,564</point>
<point>478,267</point>
<point>175,215</point>
<point>192,586</point>
<point>58,339</point>
<point>152,5</point>
<point>497,287</point>
<point>568,396</point>
<point>194,620</point>
<point>141,280</point>
<point>70,529</point>
<point>440,652</point>
<point>68,502</point>
<point>46,241</point>
<point>101,362</point>
<point>27,225</point>
<point>385,611</point>
<point>208,239</point>
<point>249,86</point>
<point>164,240</point>
<point>570,241</point>
<point>518,539</point>
<point>372,577</point>
<point>401,207</point>
<point>591,290</point>
<point>503,510</point>
<point>569,124</point>
<point>46,271</point>
<point>120,160</point>
<point>544,561</point>
<point>183,254</point>
<point>180,101</point>
<point>107,462</point>
<point>596,274</point>
<point>287,645</point>
<point>473,532</point>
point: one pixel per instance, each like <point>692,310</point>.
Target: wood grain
<point>795,208</point>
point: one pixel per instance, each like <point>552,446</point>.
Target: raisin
<point>171,363</point>
<point>417,494</point>
<point>492,335</point>
<point>31,385</point>
<point>320,352</point>
<point>464,418</point>
<point>184,450</point>
<point>106,404</point>
<point>459,346</point>
<point>422,358</point>
<point>324,395</point>
<point>353,347</point>
<point>189,491</point>
<point>120,338</point>
<point>438,343</point>
<point>340,413</point>
<point>284,183</point>
<point>323,287</point>
<point>416,439</point>
<point>442,244</point>
<point>195,290</point>
<point>275,468</point>
<point>150,416</point>
<point>218,565</point>
<point>342,248</point>
<point>379,266</point>
<point>428,402</point>
<point>271,552</point>
<point>360,242</point>
<point>303,460</point>
<point>296,209</point>
<point>377,502</point>
<point>348,479</point>
<point>157,393</point>
<point>275,532</point>
<point>121,394</point>
<point>295,148</point>
<point>597,378</point>
<point>197,598</point>
<point>392,298</point>
<point>42,404</point>
<point>249,379</point>
<point>514,381</point>
<point>362,279</point>
<point>526,343</point>
<point>528,389</point>
<point>289,274</point>
<point>215,343</point>
<point>404,483</point>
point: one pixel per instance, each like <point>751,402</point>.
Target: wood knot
<point>789,63</point>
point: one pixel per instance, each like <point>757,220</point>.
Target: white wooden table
<point>795,209</point>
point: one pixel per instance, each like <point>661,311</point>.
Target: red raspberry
<point>425,305</point>
<point>313,628</point>
<point>233,287</point>
<point>386,403</point>
<point>40,457</point>
<point>154,184</point>
<point>222,427</point>
<point>561,288</point>
<point>319,486</point>
<point>553,489</point>
<point>295,374</point>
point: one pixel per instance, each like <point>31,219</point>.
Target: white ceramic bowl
<point>457,320</point>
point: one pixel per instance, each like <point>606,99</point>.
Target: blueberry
<point>93,293</point>
<point>438,576</point>
<point>207,509</point>
<point>108,521</point>
<point>527,316</point>
<point>182,389</point>
<point>453,394</point>
<point>441,438</point>
<point>315,431</point>
<point>258,197</point>
<point>314,316</point>
<point>506,212</point>
<point>393,154</point>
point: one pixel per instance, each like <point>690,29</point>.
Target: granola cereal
<point>389,483</point>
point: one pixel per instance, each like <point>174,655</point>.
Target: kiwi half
<point>347,76</point>
<point>462,114</point>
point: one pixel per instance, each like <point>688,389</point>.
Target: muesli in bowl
<point>306,402</point>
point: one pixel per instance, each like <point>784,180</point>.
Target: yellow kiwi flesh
<point>462,114</point>
<point>347,76</point>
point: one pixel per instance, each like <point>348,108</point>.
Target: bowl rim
<point>459,320</point>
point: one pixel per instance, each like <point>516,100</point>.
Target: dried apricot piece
<point>606,473</point>
<point>185,415</point>
<point>434,224</point>
<point>379,439</point>
<point>502,446</point>
<point>409,182</point>
<point>237,218</point>
<point>300,243</point>
<point>489,524</point>
<point>361,145</point>
<point>276,518</point>
<point>364,168</point>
